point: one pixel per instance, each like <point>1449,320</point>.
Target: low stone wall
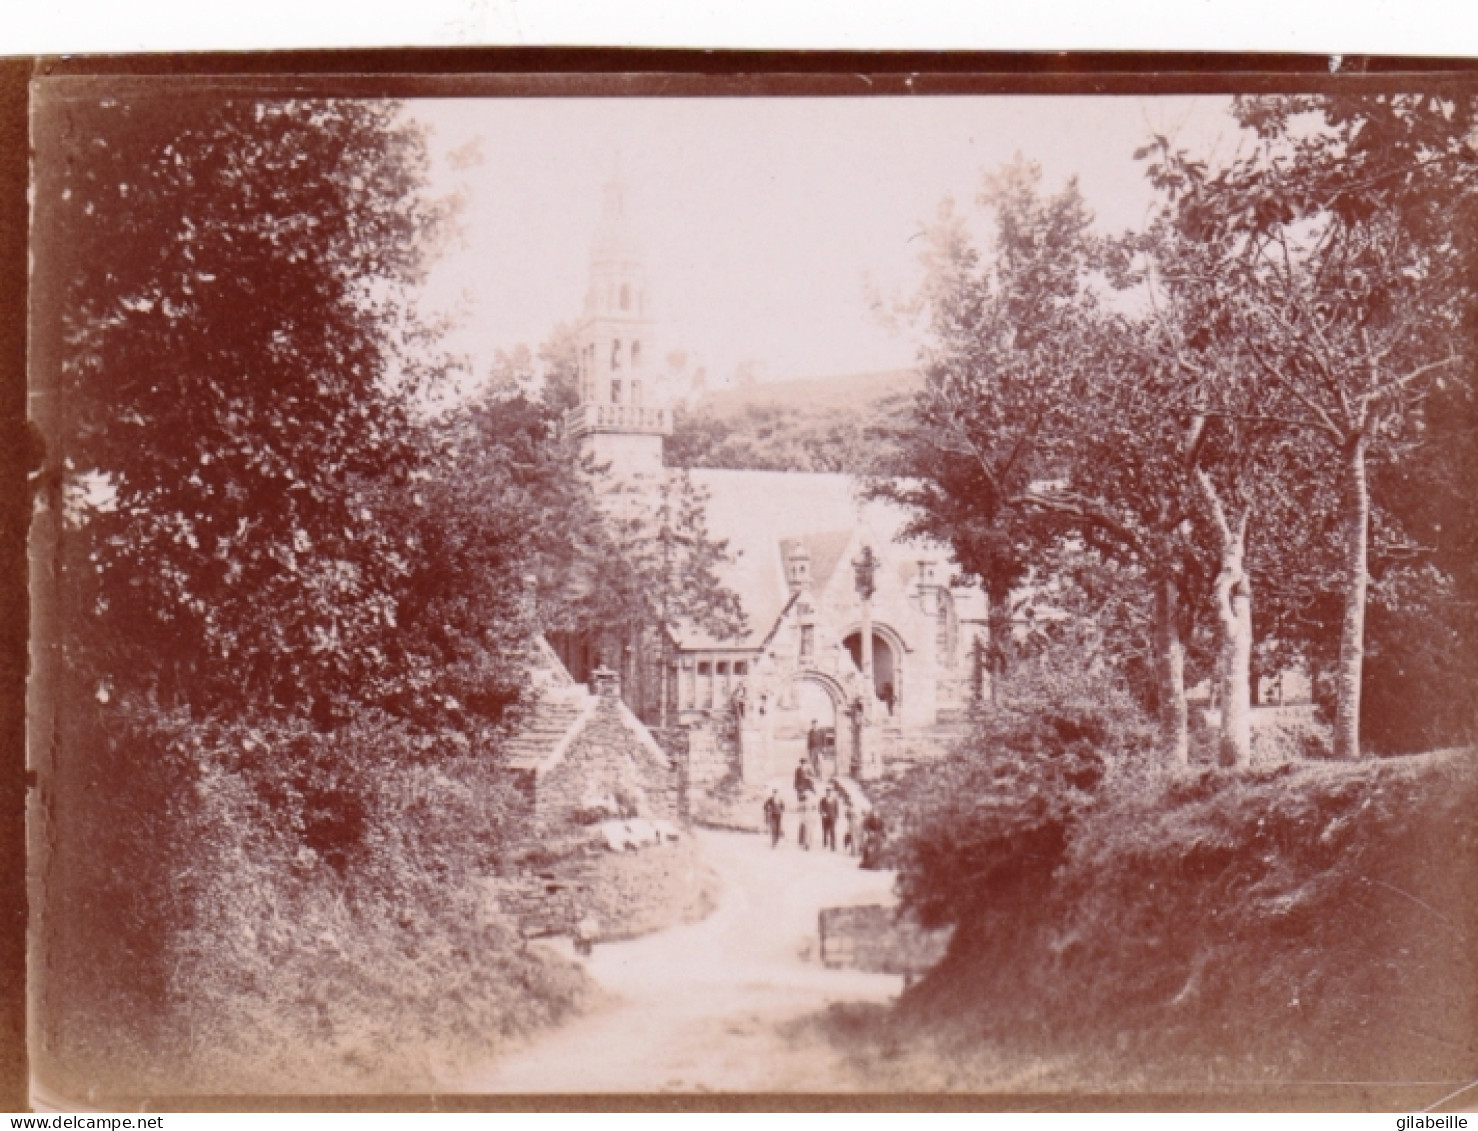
<point>712,754</point>
<point>674,743</point>
<point>876,939</point>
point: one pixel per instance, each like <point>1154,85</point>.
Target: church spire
<point>622,415</point>
<point>614,241</point>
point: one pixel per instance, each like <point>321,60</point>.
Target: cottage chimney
<point>798,567</point>
<point>605,683</point>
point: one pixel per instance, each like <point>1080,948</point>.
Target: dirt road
<point>705,1007</point>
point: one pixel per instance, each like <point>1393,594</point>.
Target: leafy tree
<point>559,359</point>
<point>1005,339</point>
<point>649,569</point>
<point>289,612</point>
<point>1225,460</point>
<point>1352,289</point>
<point>231,330</point>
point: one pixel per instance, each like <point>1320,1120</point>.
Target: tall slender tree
<point>1351,290</point>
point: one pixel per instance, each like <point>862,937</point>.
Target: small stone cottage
<point>582,756</point>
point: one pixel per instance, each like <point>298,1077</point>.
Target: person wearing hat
<point>804,782</point>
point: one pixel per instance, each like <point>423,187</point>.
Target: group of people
<point>831,810</point>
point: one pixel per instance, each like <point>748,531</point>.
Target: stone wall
<point>875,938</point>
<point>674,743</point>
<point>712,752</point>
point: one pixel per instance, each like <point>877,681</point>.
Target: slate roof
<point>553,717</point>
<point>760,513</point>
<point>559,710</point>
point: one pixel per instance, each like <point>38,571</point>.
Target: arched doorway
<point>812,698</point>
<point>886,670</point>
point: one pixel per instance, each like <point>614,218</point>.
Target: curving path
<point>705,1006</point>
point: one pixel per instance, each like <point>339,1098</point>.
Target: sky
<point>769,225</point>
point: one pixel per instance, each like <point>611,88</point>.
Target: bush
<point>1300,922</point>
<point>291,909</point>
<point>992,822</point>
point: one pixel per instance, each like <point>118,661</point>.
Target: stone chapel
<point>852,633</point>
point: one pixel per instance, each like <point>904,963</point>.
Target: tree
<point>229,324</point>
<point>1124,487</point>
<point>1004,337</point>
<point>1351,288</point>
<point>650,570</point>
<point>289,630</point>
<point>1234,461</point>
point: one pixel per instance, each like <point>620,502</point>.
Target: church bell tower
<point>622,415</point>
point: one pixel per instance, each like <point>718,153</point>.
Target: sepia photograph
<point>836,585</point>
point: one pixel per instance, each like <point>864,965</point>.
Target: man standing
<point>804,782</point>
<point>829,809</point>
<point>873,832</point>
<point>774,813</point>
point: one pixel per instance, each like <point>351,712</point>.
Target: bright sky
<point>767,223</point>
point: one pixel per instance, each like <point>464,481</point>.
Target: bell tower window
<point>635,354</point>
<point>616,353</point>
<point>615,392</point>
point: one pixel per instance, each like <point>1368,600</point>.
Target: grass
<point>1306,925</point>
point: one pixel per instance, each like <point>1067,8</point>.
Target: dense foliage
<point>1287,929</point>
<point>1235,406</point>
<point>289,600</point>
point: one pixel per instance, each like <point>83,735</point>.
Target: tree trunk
<point>1170,668</point>
<point>1232,597</point>
<point>998,645</point>
<point>1234,666</point>
<point>1348,673</point>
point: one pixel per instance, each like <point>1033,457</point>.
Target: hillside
<point>845,423</point>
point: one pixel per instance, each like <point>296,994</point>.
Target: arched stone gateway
<point>887,663</point>
<point>811,696</point>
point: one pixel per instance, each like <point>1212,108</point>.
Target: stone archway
<point>887,662</point>
<point>810,696</point>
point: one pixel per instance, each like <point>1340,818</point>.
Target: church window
<point>946,634</point>
<point>635,354</point>
<point>636,392</point>
<point>722,667</point>
<point>625,297</point>
<point>615,392</point>
<point>808,641</point>
<point>616,353</point>
<point>741,667</point>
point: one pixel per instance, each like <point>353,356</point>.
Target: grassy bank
<point>1308,924</point>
